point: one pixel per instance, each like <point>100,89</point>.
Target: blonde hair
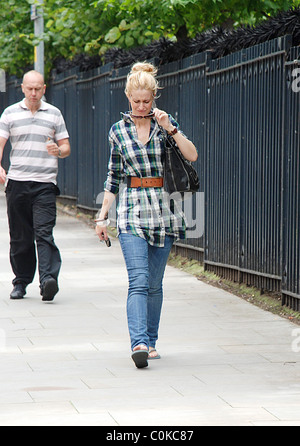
<point>142,77</point>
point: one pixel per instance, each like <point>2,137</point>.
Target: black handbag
<point>179,173</point>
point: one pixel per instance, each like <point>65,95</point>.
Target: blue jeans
<point>145,266</point>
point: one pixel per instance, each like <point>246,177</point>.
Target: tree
<point>93,26</point>
<point>16,37</point>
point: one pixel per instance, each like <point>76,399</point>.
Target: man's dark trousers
<point>31,209</point>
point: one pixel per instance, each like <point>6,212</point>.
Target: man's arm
<point>2,171</point>
<point>65,148</point>
<point>62,147</point>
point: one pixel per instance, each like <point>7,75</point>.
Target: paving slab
<point>223,361</point>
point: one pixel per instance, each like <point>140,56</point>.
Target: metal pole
<point>38,19</point>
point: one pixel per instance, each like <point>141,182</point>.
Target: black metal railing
<point>242,112</point>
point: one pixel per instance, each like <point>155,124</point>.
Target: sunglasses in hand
<point>107,242</point>
<point>151,115</point>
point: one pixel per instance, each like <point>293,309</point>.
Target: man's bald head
<point>33,76</point>
<point>34,88</point>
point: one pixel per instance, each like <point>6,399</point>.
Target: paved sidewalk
<point>224,361</point>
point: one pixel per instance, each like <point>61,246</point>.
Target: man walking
<point>38,137</point>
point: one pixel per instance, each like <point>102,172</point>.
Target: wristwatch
<point>59,153</point>
<point>173,132</point>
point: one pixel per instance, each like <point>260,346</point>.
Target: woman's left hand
<point>163,119</point>
<point>186,147</point>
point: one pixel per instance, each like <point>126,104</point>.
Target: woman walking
<point>148,221</point>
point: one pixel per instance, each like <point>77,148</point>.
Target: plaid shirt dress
<point>149,213</point>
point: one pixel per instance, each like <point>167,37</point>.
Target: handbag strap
<point>163,132</point>
<point>167,138</point>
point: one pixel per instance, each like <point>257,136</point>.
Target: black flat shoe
<point>18,292</point>
<point>49,289</point>
<point>140,358</point>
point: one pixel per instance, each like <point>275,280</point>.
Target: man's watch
<point>59,153</point>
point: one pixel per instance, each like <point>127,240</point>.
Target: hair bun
<point>144,67</point>
<point>142,77</point>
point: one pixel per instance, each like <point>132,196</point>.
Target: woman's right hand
<point>101,231</point>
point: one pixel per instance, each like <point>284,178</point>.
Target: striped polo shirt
<point>29,133</point>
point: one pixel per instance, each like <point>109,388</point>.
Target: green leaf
<point>67,32</point>
<point>129,41</point>
<point>113,35</point>
<point>124,26</point>
<point>49,23</point>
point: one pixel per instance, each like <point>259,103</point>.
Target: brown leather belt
<point>145,182</point>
